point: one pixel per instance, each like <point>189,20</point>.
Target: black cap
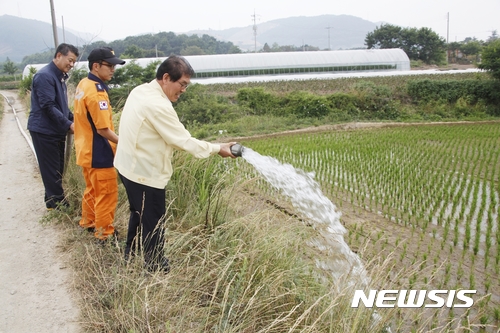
<point>105,53</point>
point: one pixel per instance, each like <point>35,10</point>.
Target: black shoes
<point>161,265</point>
<point>62,206</point>
<point>113,237</point>
<point>90,230</point>
<point>128,254</point>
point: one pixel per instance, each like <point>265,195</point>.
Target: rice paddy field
<point>424,195</point>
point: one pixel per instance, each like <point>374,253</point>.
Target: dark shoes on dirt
<point>161,265</point>
<point>62,206</point>
<point>152,266</point>
<point>90,230</point>
<point>113,237</point>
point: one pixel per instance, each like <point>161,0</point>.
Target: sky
<point>109,20</point>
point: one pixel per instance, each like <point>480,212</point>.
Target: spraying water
<point>306,197</point>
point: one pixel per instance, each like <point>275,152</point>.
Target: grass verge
<point>238,265</point>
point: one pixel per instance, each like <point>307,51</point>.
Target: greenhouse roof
<point>227,62</point>
<point>344,60</point>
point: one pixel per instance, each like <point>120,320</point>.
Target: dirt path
<point>34,293</point>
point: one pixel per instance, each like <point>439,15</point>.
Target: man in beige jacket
<point>150,130</point>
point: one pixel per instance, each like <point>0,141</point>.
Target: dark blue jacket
<point>50,113</point>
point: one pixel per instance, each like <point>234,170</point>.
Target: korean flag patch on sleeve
<point>103,105</point>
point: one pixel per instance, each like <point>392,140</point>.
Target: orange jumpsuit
<point>95,155</point>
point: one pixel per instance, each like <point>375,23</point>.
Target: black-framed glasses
<point>107,65</point>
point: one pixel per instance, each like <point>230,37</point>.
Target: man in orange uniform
<point>95,144</point>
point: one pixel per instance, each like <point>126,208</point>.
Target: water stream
<point>315,208</point>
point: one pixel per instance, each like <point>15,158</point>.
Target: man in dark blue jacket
<point>50,120</point>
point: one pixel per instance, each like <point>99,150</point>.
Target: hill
<point>22,37</point>
<point>326,32</point>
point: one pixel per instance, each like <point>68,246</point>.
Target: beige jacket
<point>149,132</point>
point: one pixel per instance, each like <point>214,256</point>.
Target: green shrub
<point>487,91</point>
<point>493,110</point>
<point>462,107</point>
<point>491,59</point>
<point>198,106</point>
<point>416,63</point>
<point>132,74</point>
<point>434,110</point>
<point>25,84</point>
<point>118,96</point>
<point>77,74</point>
<point>7,78</point>
<point>257,100</point>
<point>375,102</point>
<point>127,78</point>
<point>452,90</point>
<point>303,105</point>
<point>343,103</point>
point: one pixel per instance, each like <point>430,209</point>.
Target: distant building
<point>282,63</point>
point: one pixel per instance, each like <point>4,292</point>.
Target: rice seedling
<point>418,177</point>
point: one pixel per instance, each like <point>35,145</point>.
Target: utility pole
<point>329,48</point>
<point>54,24</point>
<point>255,30</point>
<point>64,32</point>
<point>448,38</point>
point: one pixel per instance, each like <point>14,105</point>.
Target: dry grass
<point>239,266</point>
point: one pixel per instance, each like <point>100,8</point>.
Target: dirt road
<point>34,281</point>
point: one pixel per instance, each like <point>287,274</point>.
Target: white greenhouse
<point>282,63</point>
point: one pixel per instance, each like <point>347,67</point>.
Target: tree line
<point>161,44</point>
<point>427,46</point>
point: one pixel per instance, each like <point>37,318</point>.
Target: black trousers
<point>147,216</point>
<point>49,151</point>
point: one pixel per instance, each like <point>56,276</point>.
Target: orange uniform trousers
<point>100,199</point>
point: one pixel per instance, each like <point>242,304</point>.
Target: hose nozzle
<point>237,149</point>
